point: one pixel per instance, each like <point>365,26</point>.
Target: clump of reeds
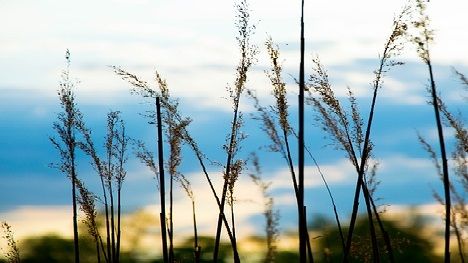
<point>271,216</point>
<point>175,127</point>
<point>112,173</point>
<point>12,255</point>
<point>347,130</point>
<point>66,144</point>
<point>247,51</point>
<point>275,122</point>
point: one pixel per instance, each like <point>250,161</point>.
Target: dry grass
<point>12,255</point>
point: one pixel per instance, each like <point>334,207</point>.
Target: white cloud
<point>179,37</point>
<point>337,172</point>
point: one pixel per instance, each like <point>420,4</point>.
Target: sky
<point>192,45</point>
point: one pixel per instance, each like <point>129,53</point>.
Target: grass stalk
<point>66,130</point>
<point>121,147</point>
<point>88,147</point>
<point>196,246</point>
<point>87,205</point>
<point>109,145</point>
<point>422,42</point>
<point>300,194</point>
<point>392,48</point>
<point>171,222</point>
<point>446,181</point>
<point>247,55</point>
<point>351,138</point>
<point>161,181</point>
<point>225,188</point>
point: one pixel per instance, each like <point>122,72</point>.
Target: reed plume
<point>12,255</point>
<point>86,199</point>
<point>350,135</point>
<point>247,58</point>
<point>112,173</point>
<point>275,122</point>
<point>66,143</point>
<point>422,39</point>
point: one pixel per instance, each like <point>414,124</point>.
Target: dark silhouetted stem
<point>161,182</point>
<point>98,253</point>
<point>106,207</point>
<point>361,167</point>
<point>386,236</point>
<point>171,223</point>
<point>375,246</point>
<point>224,193</point>
<point>290,162</point>
<point>300,195</point>
<point>112,221</point>
<point>309,246</point>
<point>117,254</point>
<point>443,154</point>
<point>75,213</point>
<point>196,247</point>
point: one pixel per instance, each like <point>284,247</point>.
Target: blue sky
<point>193,46</point>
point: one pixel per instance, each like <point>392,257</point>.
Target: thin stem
<point>171,222</point>
<point>75,212</point>
<point>196,247</point>
<point>443,154</point>
<point>118,225</point>
<point>161,181</point>
<point>335,211</point>
<point>205,172</point>
<point>361,167</point>
<point>386,236</point>
<point>290,162</point>
<point>112,220</point>
<point>225,188</point>
<point>109,146</point>
<point>300,195</point>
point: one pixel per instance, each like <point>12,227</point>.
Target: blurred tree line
<point>409,244</point>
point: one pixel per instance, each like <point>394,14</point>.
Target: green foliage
<point>184,253</point>
<point>52,248</point>
<point>408,244</point>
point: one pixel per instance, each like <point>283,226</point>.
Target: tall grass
<point>458,211</point>
<point>303,238</point>
<point>275,123</point>
<point>348,130</point>
<point>422,39</point>
<point>167,255</point>
<point>66,143</point>
<point>173,118</point>
<point>112,173</point>
<point>232,167</point>
<point>74,135</point>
